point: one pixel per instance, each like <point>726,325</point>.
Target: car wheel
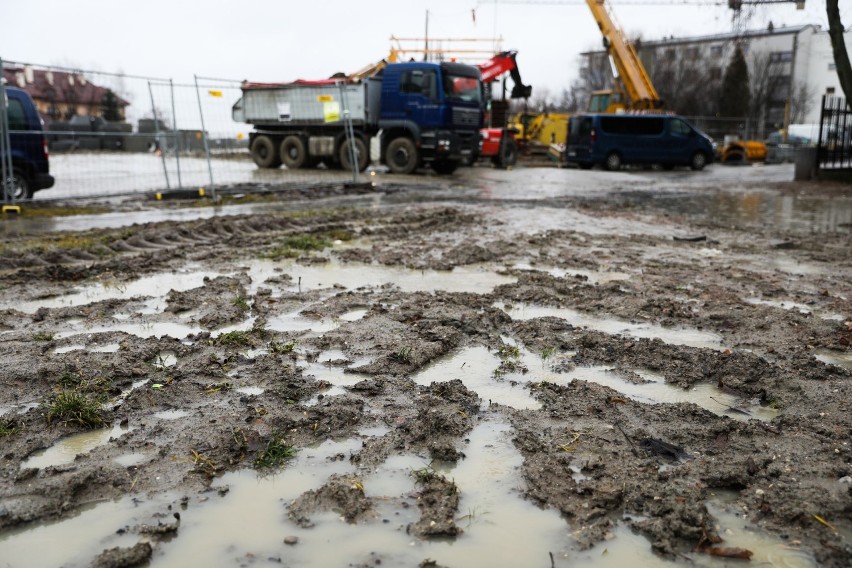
<point>401,156</point>
<point>22,187</point>
<point>613,162</point>
<point>699,160</point>
<point>263,152</point>
<point>293,153</point>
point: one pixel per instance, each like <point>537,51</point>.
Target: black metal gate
<point>835,135</point>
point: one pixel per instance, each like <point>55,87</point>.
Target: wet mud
<point>159,363</point>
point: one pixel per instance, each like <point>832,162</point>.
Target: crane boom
<point>631,73</point>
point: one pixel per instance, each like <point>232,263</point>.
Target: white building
<point>796,62</point>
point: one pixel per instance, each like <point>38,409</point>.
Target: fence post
<point>350,132</point>
<point>204,137</point>
<point>157,132</point>
<point>176,132</point>
<point>5,145</point>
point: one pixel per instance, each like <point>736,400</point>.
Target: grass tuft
<point>75,407</point>
<point>276,453</point>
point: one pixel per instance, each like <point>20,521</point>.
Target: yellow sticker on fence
<point>215,93</point>
<point>331,111</point>
<point>324,98</point>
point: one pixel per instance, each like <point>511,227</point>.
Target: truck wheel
<point>22,188</point>
<point>444,167</point>
<point>263,152</point>
<point>613,162</point>
<point>345,157</point>
<point>401,156</point>
<point>698,161</point>
<point>508,155</point>
<point>293,153</point>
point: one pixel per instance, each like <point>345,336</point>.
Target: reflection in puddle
<point>65,450</point>
<point>143,330</point>
<point>294,322</point>
<point>129,460</point>
<point>165,359</point>
<point>354,315</point>
<point>108,348</point>
<point>475,367</point>
<point>673,336</point>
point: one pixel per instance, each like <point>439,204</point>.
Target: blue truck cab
<point>430,114</point>
<point>28,145</point>
<point>611,140</point>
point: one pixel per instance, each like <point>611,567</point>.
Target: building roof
<point>62,87</point>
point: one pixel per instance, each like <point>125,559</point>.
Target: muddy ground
<point>597,456</point>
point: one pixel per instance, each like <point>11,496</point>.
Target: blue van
<point>30,166</point>
<point>611,140</point>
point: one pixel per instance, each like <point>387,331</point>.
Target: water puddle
<point>475,367</point>
<point>65,450</point>
<point>354,315</point>
<point>143,330</point>
<point>108,348</point>
<point>475,279</point>
<point>19,408</point>
<point>250,391</point>
<point>171,414</point>
<point>593,276</point>
<point>155,285</point>
<point>295,322</point>
<point>165,359</point>
<point>843,360</point>
<point>801,308</point>
<point>130,460</point>
<point>672,336</point>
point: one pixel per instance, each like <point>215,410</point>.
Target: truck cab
<point>431,114</point>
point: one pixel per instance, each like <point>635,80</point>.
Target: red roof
<point>73,88</point>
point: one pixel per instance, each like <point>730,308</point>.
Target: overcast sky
<point>265,40</point>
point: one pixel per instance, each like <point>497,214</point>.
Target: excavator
<point>634,90</point>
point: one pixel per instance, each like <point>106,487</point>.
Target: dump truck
<point>422,113</point>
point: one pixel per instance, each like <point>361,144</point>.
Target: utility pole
<point>426,46</point>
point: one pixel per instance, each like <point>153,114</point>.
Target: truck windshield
<point>460,88</point>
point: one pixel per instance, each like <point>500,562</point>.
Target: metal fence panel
<point>112,134</point>
<point>835,134</point>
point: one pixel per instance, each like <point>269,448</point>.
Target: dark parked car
<point>30,166</point>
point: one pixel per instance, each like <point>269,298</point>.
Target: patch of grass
<point>276,453</point>
<point>43,336</point>
<point>280,348</point>
<point>423,475</point>
<point>69,379</point>
<point>509,352</point>
<point>241,302</point>
<point>547,353</point>
<point>8,427</point>
<point>296,245</point>
<point>405,355</point>
<point>242,338</point>
<point>338,235</point>
<point>73,406</point>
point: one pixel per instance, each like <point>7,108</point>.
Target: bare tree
<point>595,75</point>
<point>841,56</point>
<point>801,102</point>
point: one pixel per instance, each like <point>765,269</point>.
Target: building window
<point>832,66</point>
<point>829,90</point>
<point>781,57</point>
<point>716,51</point>
<point>670,54</point>
<point>691,52</point>
<point>715,73</point>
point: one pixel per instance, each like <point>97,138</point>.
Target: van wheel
<point>292,152</point>
<point>699,160</point>
<point>613,162</point>
<point>263,152</point>
<point>401,156</point>
<point>22,188</point>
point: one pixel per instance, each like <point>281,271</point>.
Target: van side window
<point>581,126</point>
<point>680,127</point>
<point>17,118</point>
<point>641,125</point>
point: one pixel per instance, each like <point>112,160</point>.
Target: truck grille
<point>465,117</point>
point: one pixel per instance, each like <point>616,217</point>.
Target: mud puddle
<point>67,449</point>
<point>673,336</point>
